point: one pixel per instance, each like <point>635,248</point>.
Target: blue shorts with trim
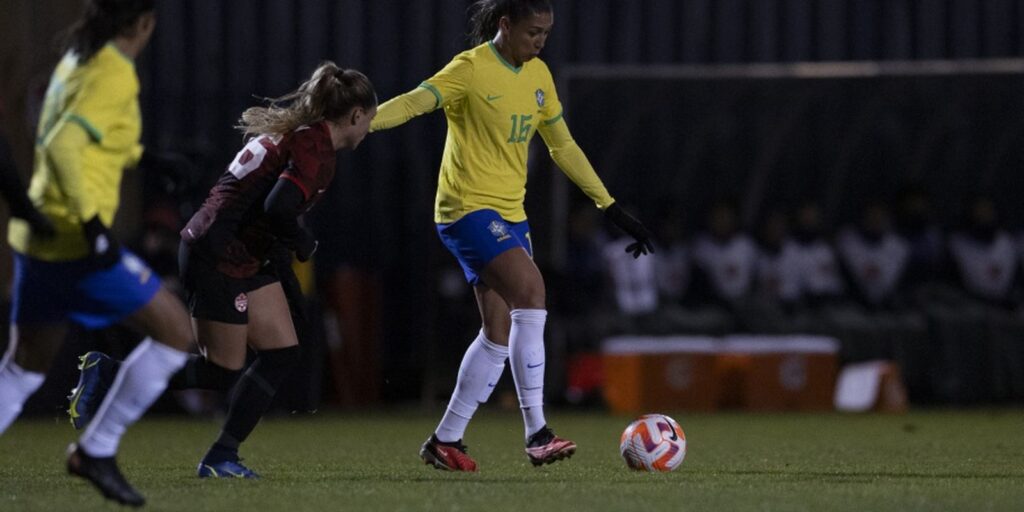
<point>53,292</point>
<point>481,236</point>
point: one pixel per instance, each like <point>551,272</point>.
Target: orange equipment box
<point>786,373</point>
<point>760,373</point>
<point>658,374</point>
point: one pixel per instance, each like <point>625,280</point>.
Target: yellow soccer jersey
<point>100,97</point>
<point>493,110</point>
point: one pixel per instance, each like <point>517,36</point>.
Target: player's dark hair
<point>102,21</point>
<point>485,15</point>
<point>330,93</point>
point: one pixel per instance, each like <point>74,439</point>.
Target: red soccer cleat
<point>544,447</point>
<point>446,456</point>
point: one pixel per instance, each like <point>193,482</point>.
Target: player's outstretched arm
<point>401,109</point>
<point>570,158</point>
<point>446,86</point>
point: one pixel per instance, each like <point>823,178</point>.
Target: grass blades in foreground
<point>942,460</point>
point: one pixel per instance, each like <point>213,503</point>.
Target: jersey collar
<point>502,59</point>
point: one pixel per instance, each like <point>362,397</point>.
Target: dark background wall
<point>211,58</point>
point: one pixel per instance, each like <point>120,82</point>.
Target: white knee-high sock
<point>16,385</point>
<point>526,356</point>
<point>140,381</point>
<point>479,372</point>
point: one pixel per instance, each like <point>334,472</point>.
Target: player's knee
<point>528,296</point>
<point>497,334</point>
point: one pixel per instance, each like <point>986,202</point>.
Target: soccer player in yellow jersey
<point>88,134</point>
<point>495,97</point>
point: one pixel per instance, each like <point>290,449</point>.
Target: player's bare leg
<point>479,372</point>
<point>271,334</point>
<point>515,277</point>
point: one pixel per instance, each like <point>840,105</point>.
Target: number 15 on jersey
<point>520,128</point>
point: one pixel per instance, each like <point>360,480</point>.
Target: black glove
<point>305,245</point>
<point>103,249</point>
<point>40,224</point>
<point>633,228</point>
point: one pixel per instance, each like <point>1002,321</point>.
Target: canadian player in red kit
<point>250,217</point>
<point>233,222</point>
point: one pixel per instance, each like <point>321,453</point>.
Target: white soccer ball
<point>654,442</point>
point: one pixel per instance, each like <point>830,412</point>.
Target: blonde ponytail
<point>329,94</point>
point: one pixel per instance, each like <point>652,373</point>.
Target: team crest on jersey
<point>499,230</point>
<point>540,97</point>
<point>242,302</point>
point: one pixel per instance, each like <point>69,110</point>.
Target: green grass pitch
<point>933,460</point>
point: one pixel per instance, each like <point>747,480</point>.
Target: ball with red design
<point>654,442</point>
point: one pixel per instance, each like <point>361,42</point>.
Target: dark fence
<point>210,58</point>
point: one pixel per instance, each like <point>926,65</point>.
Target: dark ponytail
<point>102,21</point>
<point>485,15</point>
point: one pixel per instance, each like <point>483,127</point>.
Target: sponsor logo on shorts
<point>499,230</point>
<point>242,302</point>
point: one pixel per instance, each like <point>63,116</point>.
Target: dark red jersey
<point>232,225</point>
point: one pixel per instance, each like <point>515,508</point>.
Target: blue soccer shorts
<point>53,292</point>
<point>481,236</point>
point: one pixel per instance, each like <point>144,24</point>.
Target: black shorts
<point>213,295</point>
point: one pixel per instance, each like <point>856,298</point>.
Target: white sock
<point>16,385</point>
<point>479,372</point>
<point>140,381</point>
<point>526,356</point>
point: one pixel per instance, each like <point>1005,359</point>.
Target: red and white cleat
<point>544,447</point>
<point>446,456</point>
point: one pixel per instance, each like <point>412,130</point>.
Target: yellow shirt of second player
<point>100,96</point>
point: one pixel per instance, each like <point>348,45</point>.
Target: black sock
<point>198,373</point>
<point>253,394</point>
<point>226,448</point>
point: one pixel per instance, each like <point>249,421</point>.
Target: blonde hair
<point>329,94</point>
